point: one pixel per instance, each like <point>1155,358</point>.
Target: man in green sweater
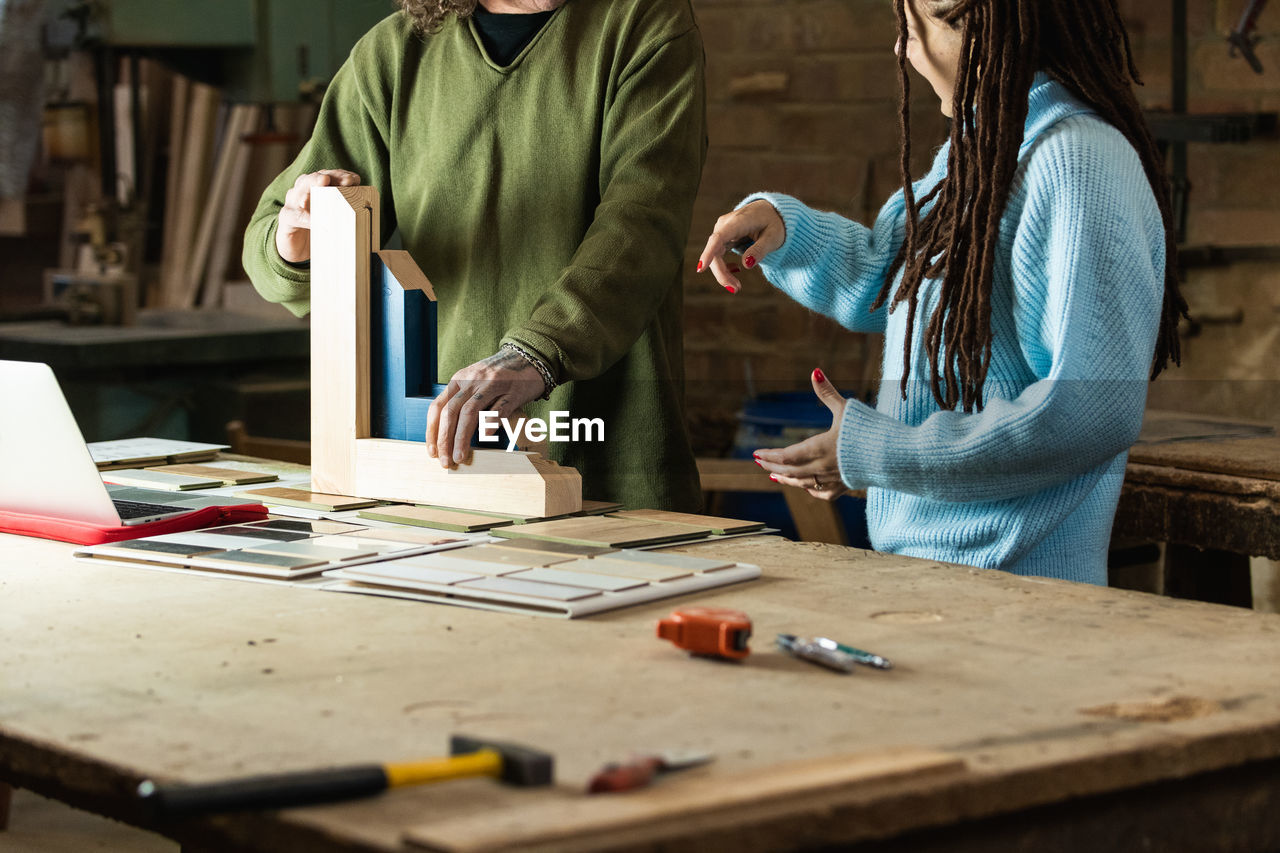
<point>540,159</point>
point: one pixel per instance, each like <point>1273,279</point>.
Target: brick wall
<point>803,99</point>
<point>1231,362</point>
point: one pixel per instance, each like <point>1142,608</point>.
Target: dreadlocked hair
<point>429,15</point>
<point>1083,45</point>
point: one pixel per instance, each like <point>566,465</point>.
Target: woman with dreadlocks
<point>1025,288</point>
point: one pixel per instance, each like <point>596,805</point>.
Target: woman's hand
<point>812,464</point>
<point>503,383</point>
<point>756,226</point>
<point>293,224</point>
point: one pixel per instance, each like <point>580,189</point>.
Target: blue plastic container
<point>780,420</point>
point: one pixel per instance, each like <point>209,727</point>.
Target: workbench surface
<point>1072,716</point>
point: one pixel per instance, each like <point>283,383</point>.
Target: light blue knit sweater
<point>1030,483</point>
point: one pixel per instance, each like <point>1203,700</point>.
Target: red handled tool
<point>715,631</point>
<point>640,770</point>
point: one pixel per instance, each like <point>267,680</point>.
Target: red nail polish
<point>731,288</point>
<point>750,262</point>
<point>818,375</point>
<point>758,462</point>
<point>773,477</point>
<point>699,266</point>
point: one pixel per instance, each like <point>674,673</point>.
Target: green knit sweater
<point>548,202</point>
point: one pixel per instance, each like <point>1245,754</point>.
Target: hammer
<point>511,763</point>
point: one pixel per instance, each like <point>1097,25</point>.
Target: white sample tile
<point>508,586</point>
<point>359,544</point>
<point>588,580</point>
<point>145,479</point>
<point>306,548</point>
<point>509,556</point>
<point>619,568</point>
<point>448,562</point>
<point>409,536</point>
<point>403,571</point>
<point>225,542</point>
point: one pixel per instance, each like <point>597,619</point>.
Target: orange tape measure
<point>716,631</point>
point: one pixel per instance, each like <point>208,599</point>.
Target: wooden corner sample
<point>346,457</point>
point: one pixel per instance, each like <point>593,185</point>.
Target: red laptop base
<point>84,533</point>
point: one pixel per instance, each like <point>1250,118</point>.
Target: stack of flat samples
<point>560,570</point>
<point>142,452</point>
<point>541,577</point>
<point>279,549</point>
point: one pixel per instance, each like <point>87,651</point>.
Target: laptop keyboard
<point>138,509</point>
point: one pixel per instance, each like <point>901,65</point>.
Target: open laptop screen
<point>45,467</point>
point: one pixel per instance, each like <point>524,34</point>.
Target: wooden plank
<point>212,205</point>
<point>735,475</point>
<point>170,261</point>
<point>400,534</point>
<point>1245,457</point>
<point>406,271</point>
<point>440,519</point>
<point>1243,524</point>
<point>229,231</point>
<point>718,526</point>
<point>306,500</point>
<point>344,220</point>
<point>197,141</point>
<point>1210,444</point>
<point>599,507</point>
<point>228,476</point>
<point>1201,481</point>
<point>344,458</point>
<point>282,449</point>
<point>604,532</point>
<point>515,484</point>
<point>606,820</point>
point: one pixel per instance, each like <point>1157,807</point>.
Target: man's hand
<point>501,383</point>
<point>293,225</point>
<point>812,464</point>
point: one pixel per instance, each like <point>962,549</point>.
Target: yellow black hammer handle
<point>309,787</point>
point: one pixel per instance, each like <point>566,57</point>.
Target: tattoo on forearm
<point>506,359</point>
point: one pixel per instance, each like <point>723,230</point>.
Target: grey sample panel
<point>181,549</point>
<point>257,558</point>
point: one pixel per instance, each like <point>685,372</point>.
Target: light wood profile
<point>345,457</point>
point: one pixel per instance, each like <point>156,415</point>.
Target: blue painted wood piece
<point>402,344</point>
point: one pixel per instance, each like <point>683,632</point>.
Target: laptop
<point>46,469</point>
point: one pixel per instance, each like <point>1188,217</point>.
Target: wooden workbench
<point>1210,488</point>
<point>1022,714</point>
